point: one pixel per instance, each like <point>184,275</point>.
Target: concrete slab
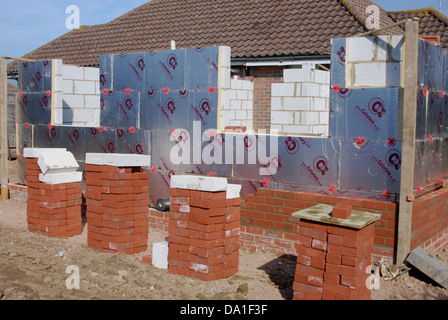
<point>233,191</point>
<point>60,178</point>
<point>118,160</point>
<point>429,265</point>
<point>199,183</point>
<point>52,161</point>
<point>35,152</point>
<point>322,213</point>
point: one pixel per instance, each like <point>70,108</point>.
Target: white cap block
<point>160,255</point>
<point>35,152</point>
<point>60,178</point>
<point>53,161</point>
<point>199,183</point>
<point>233,191</point>
<point>118,160</point>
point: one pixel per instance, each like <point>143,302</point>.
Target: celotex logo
<point>235,148</point>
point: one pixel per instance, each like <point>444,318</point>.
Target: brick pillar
<point>204,228</point>
<point>333,259</point>
<point>117,198</point>
<point>53,210</point>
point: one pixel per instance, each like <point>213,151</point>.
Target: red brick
<point>332,278</point>
<point>342,211</point>
<point>312,233</point>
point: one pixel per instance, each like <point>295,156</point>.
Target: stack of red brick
<point>117,208</point>
<point>52,209</point>
<point>332,262</point>
<point>204,230</point>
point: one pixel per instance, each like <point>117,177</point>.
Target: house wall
<point>264,77</point>
<point>77,95</point>
<point>238,104</point>
<point>300,105</point>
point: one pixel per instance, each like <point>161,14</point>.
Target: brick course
<point>117,202</point>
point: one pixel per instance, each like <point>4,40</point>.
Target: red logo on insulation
<point>321,165</point>
<point>376,106</point>
<point>393,158</point>
<point>292,146</point>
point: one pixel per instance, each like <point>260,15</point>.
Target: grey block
<point>429,265</point>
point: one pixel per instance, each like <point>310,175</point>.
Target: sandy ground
<point>33,267</point>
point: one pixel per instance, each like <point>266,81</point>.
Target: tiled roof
<point>431,22</point>
<point>252,28</point>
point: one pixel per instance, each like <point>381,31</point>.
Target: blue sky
<point>28,24</point>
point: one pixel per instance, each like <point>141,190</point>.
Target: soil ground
<point>33,267</point>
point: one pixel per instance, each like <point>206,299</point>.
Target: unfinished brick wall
<point>53,210</point>
<point>204,230</point>
<point>430,221</point>
<point>117,201</point>
<point>264,77</point>
<point>332,262</point>
<point>267,223</point>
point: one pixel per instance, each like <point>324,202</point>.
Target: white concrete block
<point>396,43</point>
<point>60,178</point>
<point>310,118</point>
<point>118,160</point>
<point>35,152</point>
<point>84,87</point>
<point>360,49</point>
<point>82,115</point>
<point>73,101</point>
<point>247,105</point>
<point>58,84</point>
<point>56,161</point>
<point>225,56</point>
<point>296,103</point>
<point>247,85</point>
<point>199,183</point>
<point>73,73</point>
<point>240,115</point>
<point>57,66</point>
<point>97,88</point>
<point>277,127</point>
<point>310,90</point>
<point>225,77</point>
<point>67,87</point>
<point>236,84</point>
<point>297,75</point>
<point>241,94</point>
<point>235,123</point>
<point>320,130</point>
<point>282,89</point>
<point>91,74</point>
<point>324,91</point>
<point>232,94</point>
<point>324,118</point>
<point>321,76</point>
<point>276,103</point>
<point>160,255</point>
<point>57,99</point>
<point>282,117</point>
<point>297,129</point>
<point>377,75</point>
<point>58,116</point>
<point>233,191</point>
<point>235,104</point>
<point>92,102</point>
<point>319,104</point>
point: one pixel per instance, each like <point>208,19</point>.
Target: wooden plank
<point>4,145</point>
<point>407,135</point>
